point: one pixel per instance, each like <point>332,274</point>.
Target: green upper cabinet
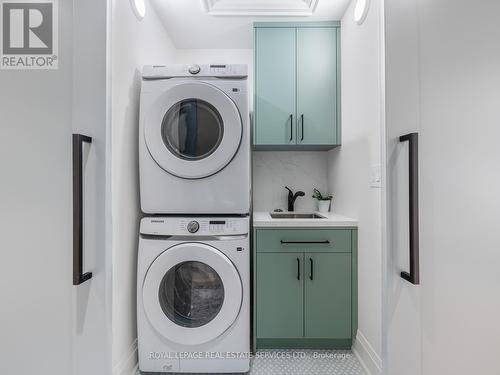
<point>317,86</point>
<point>275,69</point>
<point>297,85</point>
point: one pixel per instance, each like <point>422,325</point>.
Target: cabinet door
<point>275,120</point>
<point>47,324</point>
<point>327,295</point>
<point>280,294</point>
<point>317,86</point>
<point>37,303</point>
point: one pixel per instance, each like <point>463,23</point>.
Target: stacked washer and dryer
<point>193,275</point>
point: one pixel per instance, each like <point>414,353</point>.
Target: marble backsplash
<point>299,170</point>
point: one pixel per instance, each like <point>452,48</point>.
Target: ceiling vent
<point>260,7</point>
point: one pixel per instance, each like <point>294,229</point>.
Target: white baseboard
<point>366,355</point>
<point>128,364</point>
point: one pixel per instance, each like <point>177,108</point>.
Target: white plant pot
<point>324,206</point>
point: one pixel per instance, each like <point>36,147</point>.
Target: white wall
<point>350,165</point>
<point>134,44</point>
<point>273,170</point>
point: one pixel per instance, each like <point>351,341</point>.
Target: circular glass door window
<point>191,294</point>
<point>192,129</point>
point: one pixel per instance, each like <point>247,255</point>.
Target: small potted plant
<point>324,201</point>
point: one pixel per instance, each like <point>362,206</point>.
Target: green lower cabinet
<point>305,298</point>
<point>280,295</point>
<point>327,302</point>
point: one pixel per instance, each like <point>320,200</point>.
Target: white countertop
<point>264,220</point>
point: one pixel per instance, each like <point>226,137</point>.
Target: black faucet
<point>292,197</point>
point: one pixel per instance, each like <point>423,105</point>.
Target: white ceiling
<point>260,7</point>
<point>190,26</point>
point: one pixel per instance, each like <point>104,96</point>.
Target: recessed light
<point>361,11</point>
<point>139,8</point>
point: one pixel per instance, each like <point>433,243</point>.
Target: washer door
<point>193,130</point>
<point>192,293</point>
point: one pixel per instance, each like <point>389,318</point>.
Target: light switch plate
<point>376,176</point>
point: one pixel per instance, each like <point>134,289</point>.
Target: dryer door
<point>193,130</point>
<point>192,293</point>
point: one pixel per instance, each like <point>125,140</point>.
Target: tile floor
<point>305,362</point>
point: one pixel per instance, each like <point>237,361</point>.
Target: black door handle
<point>298,268</point>
<point>78,276</point>
<point>311,276</point>
<point>302,125</point>
<point>304,242</point>
<point>414,275</point>
<point>291,127</point>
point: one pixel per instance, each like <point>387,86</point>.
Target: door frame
<point>99,321</point>
<point>383,167</point>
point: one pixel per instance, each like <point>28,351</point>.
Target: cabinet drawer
<point>303,240</point>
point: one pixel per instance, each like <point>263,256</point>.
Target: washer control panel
<point>199,226</point>
<point>222,226</point>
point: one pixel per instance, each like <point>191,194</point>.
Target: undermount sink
<point>289,215</point>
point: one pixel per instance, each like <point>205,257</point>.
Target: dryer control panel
<point>235,71</point>
<point>195,226</point>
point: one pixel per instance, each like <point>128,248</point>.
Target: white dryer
<point>194,141</point>
<point>193,294</point>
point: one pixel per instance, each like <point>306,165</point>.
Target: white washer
<point>194,141</point>
<point>193,294</point>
